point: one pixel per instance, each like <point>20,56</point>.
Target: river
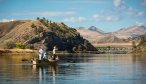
<point>75,69</point>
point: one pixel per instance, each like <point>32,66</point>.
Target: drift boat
<point>45,62</point>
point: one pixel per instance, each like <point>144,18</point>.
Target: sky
<point>107,15</point>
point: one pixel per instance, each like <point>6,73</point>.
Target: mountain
<point>110,38</point>
<point>91,35</point>
<point>95,35</point>
<point>93,28</point>
<point>131,31</point>
<point>42,33</point>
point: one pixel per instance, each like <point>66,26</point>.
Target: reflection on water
<point>44,72</point>
<point>76,69</point>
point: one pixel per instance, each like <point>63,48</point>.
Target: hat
<point>54,47</point>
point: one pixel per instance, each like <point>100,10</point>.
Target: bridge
<point>115,50</point>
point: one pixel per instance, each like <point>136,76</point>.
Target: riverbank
<point>29,51</point>
<point>17,51</point>
<point>138,52</point>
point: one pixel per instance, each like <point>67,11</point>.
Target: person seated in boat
<point>45,56</point>
<point>54,53</point>
<point>41,54</point>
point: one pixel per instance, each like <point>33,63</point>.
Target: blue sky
<point>107,15</point>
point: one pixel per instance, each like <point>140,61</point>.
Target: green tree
<point>134,46</point>
<point>44,19</point>
<point>38,18</point>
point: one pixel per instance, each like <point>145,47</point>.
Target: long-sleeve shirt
<point>54,51</point>
<point>41,51</point>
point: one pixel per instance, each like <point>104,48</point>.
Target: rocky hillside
<point>42,32</point>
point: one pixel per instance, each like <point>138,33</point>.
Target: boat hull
<point>44,62</point>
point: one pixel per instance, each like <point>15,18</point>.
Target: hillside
<point>5,27</point>
<point>42,32</point>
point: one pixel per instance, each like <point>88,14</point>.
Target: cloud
<point>75,19</point>
<point>128,10</point>
<point>144,2</point>
<point>46,13</point>
<point>6,20</point>
<point>106,17</point>
<point>139,23</point>
<point>118,3</point>
<point>140,14</point>
<point>134,13</point>
<point>112,18</point>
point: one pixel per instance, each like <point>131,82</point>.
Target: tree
<point>85,43</point>
<point>33,26</point>
<point>40,29</point>
<point>79,48</point>
<point>44,19</point>
<point>134,46</point>
<point>38,18</point>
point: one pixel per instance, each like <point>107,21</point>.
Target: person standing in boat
<point>54,53</point>
<point>41,53</point>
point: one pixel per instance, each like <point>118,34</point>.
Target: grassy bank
<point>17,51</point>
<point>139,52</point>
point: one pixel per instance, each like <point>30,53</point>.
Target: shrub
<point>40,29</point>
<point>8,44</point>
<point>33,26</point>
<point>20,45</point>
<point>29,46</point>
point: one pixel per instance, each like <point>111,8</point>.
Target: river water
<point>75,69</point>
